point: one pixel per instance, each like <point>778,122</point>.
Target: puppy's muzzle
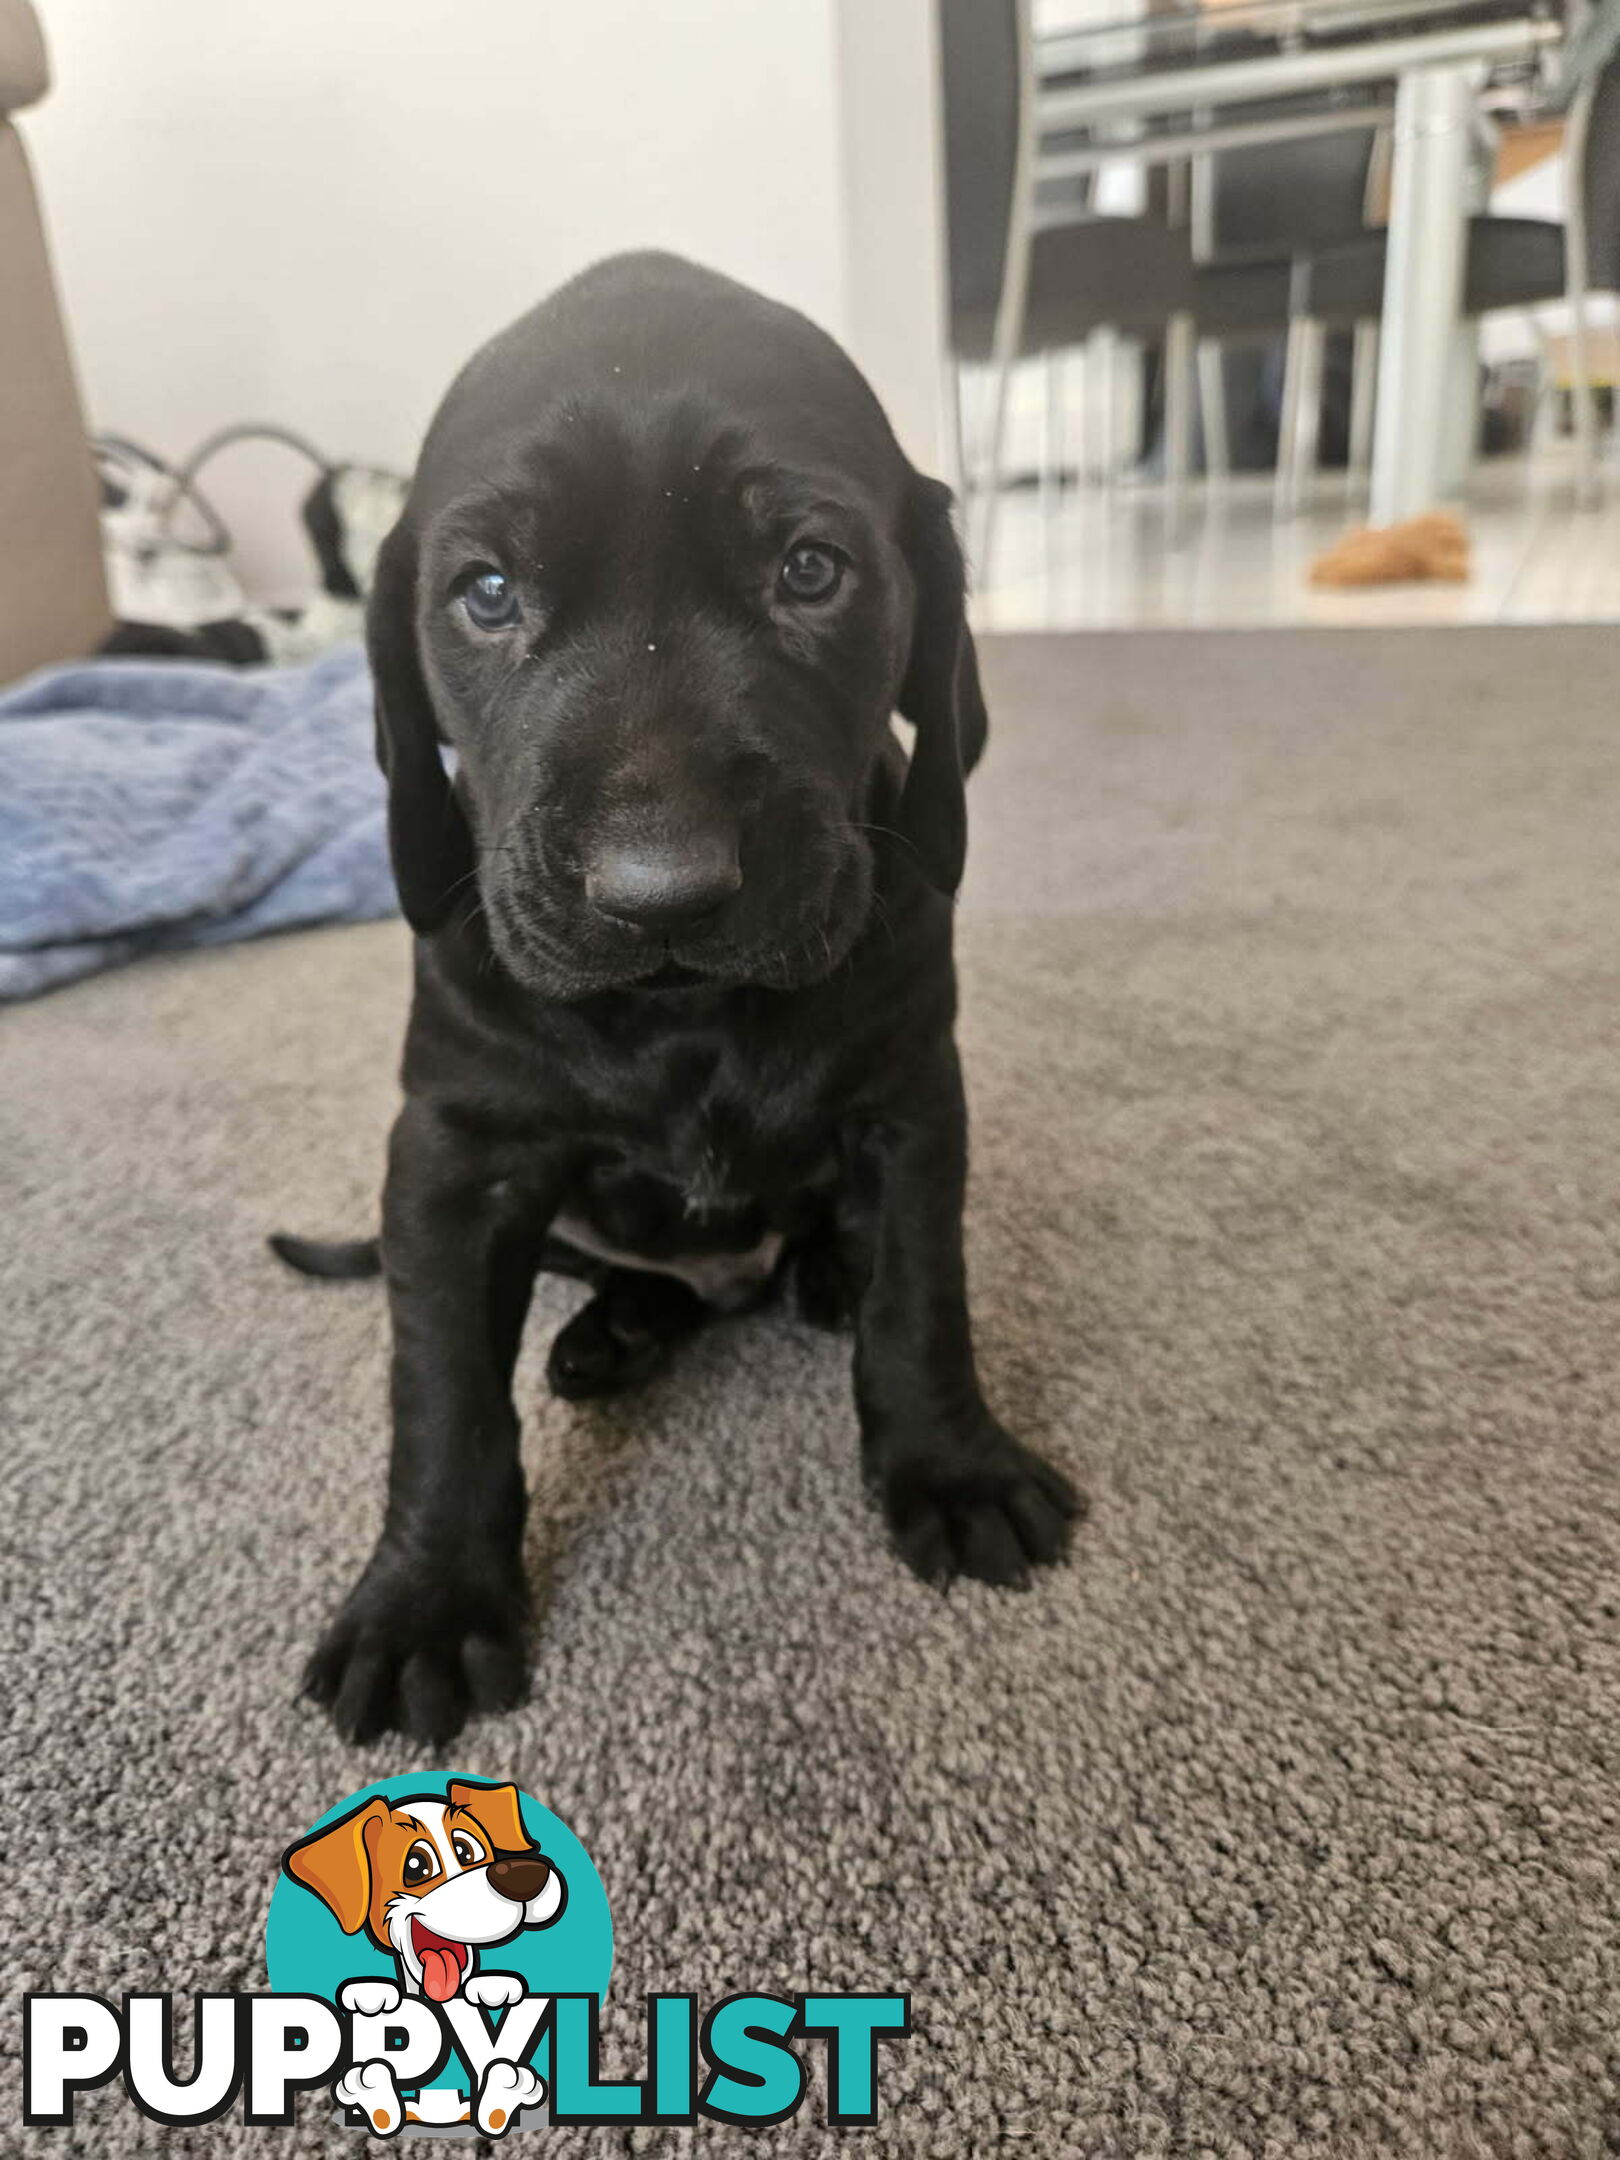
<point>519,1879</point>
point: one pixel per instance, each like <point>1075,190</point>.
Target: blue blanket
<point>150,804</point>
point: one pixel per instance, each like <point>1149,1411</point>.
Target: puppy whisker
<point>889,832</point>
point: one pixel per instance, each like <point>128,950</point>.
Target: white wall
<point>891,136</point>
<point>313,210</point>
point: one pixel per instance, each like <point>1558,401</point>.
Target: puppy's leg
<point>624,1335</point>
<point>961,1496</point>
<point>436,1625</point>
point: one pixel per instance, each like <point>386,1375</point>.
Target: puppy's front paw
<point>420,1644</point>
<point>370,2087</point>
<point>990,1511</point>
<point>493,1990</point>
<point>507,2089</point>
<point>369,1998</point>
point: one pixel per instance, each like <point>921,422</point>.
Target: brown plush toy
<point>1432,546</point>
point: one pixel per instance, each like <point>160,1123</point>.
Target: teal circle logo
<point>447,1891</point>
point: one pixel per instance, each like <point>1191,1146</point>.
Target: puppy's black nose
<point>519,1879</point>
<point>667,888</point>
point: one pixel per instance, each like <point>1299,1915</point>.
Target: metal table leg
<point>1423,275</point>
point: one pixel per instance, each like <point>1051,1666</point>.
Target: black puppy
<point>684,988</point>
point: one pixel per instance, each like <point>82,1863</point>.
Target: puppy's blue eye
<point>491,600</point>
<point>811,573</point>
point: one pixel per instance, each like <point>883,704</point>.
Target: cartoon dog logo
<point>433,1880</point>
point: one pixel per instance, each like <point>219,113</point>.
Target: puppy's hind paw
<point>370,2087</point>
<point>369,1998</point>
<point>507,2089</point>
<point>623,1336</point>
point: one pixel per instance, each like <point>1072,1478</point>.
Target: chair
<point>53,593</point>
<point>1300,198</point>
<point>1509,262</point>
<point>1033,270</point>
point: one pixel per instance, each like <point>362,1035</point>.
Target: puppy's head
<point>662,580</point>
<point>432,1879</point>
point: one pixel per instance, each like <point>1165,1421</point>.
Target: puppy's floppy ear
<point>336,1864</point>
<point>498,1809</point>
<point>940,693</point>
<point>428,839</point>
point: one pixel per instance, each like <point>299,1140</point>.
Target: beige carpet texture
<point>1284,1822</point>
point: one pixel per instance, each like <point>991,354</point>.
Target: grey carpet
<point>1282,1823</point>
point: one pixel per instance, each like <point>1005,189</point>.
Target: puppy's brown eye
<point>491,600</point>
<point>420,1862</point>
<point>466,1849</point>
<point>810,572</point>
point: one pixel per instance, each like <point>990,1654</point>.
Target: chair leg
<point>1057,416</point>
<point>953,393</point>
<point>1539,431</point>
<point>1052,444</point>
<point>1363,401</point>
<point>1212,409</point>
<point>1583,413</point>
<point>990,471</point>
<point>1301,414</point>
<point>1103,347</point>
<point>1288,419</point>
<point>1464,408</point>
<point>1310,419</point>
<point>1078,424</point>
<point>1178,419</point>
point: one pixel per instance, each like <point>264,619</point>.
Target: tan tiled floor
<point>1103,559</point>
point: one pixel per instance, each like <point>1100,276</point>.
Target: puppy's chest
<point>719,1120</point>
<point>701,1174</point>
<point>708,1186</point>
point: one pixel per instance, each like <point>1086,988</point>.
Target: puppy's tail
<point>350,1260</point>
